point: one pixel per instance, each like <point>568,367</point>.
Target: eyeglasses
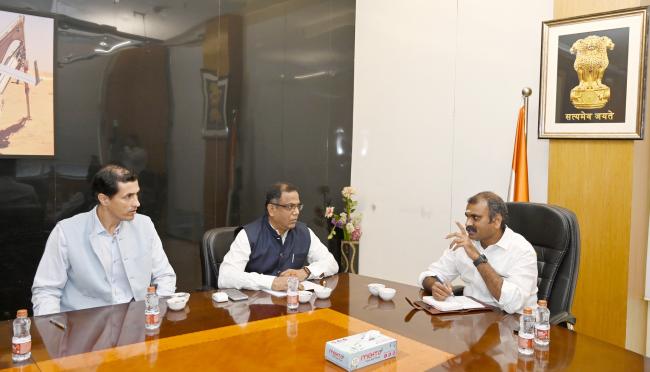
<point>290,207</point>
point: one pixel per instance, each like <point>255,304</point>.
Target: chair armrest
<point>563,318</point>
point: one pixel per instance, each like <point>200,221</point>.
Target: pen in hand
<point>58,324</point>
<point>450,288</point>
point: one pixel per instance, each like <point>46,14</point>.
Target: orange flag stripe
<point>520,160</point>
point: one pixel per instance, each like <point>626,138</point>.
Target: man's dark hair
<point>274,193</point>
<point>495,206</point>
<point>106,179</point>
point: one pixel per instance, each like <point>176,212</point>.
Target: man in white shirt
<point>106,256</point>
<point>267,251</point>
<point>498,266</point>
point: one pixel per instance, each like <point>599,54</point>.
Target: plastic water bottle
<point>542,326</point>
<point>21,343</point>
<point>526,332</point>
<point>292,293</point>
<point>151,309</point>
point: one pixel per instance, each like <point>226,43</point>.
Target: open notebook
<point>453,303</point>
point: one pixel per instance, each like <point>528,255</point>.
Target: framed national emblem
<point>215,94</point>
<point>593,76</point>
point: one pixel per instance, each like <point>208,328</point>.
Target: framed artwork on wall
<point>26,84</point>
<point>593,75</point>
<point>215,94</point>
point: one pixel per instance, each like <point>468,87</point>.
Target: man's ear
<point>103,199</point>
<point>270,210</point>
<point>497,220</point>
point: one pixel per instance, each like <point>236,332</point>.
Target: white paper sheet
<point>452,303</point>
<point>307,286</point>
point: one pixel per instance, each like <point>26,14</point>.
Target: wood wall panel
<point>595,179</point>
<point>571,8</point>
<point>137,102</point>
<point>222,54</point>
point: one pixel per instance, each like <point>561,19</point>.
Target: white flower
<point>349,227</point>
<point>348,191</point>
<point>343,217</point>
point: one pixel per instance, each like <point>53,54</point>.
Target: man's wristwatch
<point>481,259</point>
<point>307,271</point>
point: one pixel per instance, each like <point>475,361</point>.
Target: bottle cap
<point>528,310</point>
<point>542,303</point>
<point>22,313</point>
<point>151,289</point>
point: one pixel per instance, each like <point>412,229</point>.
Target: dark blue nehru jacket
<point>268,255</point>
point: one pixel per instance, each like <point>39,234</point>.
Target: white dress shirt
<point>512,257</point>
<point>232,272</point>
<point>111,258</point>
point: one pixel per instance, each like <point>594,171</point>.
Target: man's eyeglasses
<point>290,207</point>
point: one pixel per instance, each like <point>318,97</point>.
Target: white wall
<point>436,94</point>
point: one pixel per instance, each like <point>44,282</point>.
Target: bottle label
<point>21,349</point>
<point>525,343</point>
<point>151,319</point>
<point>542,334</point>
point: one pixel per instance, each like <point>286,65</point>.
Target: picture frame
<point>215,95</point>
<point>593,76</point>
<point>27,83</point>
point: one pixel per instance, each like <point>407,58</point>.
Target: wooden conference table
<point>259,334</point>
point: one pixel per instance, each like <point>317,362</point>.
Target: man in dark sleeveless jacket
<point>276,246</point>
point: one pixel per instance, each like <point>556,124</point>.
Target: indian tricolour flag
<point>518,188</point>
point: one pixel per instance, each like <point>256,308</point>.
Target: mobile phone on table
<point>235,294</point>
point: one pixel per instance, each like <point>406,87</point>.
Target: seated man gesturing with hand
<point>267,251</point>
<point>498,265</point>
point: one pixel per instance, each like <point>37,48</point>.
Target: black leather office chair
<point>554,233</point>
<point>216,243</point>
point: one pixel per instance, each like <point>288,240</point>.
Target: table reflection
<point>492,345</point>
<point>94,329</point>
<point>261,305</point>
<point>376,303</point>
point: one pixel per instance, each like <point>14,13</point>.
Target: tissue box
<point>360,350</point>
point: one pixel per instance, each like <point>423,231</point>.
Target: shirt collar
<point>99,227</point>
<point>283,236</point>
<point>506,239</point>
<point>505,242</point>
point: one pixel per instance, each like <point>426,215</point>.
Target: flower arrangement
<point>346,220</point>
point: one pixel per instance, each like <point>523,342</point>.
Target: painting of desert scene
<point>26,85</point>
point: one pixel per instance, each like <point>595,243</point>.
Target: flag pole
<point>519,142</point>
<point>525,93</point>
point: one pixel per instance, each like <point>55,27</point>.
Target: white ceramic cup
<point>176,303</point>
<point>304,296</point>
<point>183,295</point>
<point>323,293</point>
<point>374,288</point>
<point>387,294</point>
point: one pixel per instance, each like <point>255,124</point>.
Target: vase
<point>349,256</point>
